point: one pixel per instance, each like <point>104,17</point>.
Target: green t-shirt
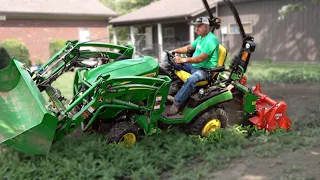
<point>208,45</point>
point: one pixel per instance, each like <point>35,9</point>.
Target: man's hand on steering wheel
<point>170,56</point>
<point>179,59</point>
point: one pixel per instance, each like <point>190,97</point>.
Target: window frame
<point>166,34</point>
<point>250,32</point>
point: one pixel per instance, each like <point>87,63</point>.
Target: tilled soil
<point>302,100</point>
<point>298,165</point>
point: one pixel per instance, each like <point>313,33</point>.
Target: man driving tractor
<point>206,55</point>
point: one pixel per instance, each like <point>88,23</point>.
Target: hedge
<point>4,58</point>
<point>56,45</point>
<point>16,49</point>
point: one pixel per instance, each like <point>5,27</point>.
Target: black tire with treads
<point>118,130</point>
<point>196,126</point>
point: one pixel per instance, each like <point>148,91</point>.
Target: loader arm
<point>67,58</point>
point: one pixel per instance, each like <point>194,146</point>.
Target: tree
<point>16,49</point>
<point>286,9</point>
<point>126,6</point>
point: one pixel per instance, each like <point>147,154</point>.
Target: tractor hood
<point>144,66</point>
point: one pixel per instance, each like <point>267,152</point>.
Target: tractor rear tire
<point>123,132</point>
<point>209,121</point>
<point>235,109</point>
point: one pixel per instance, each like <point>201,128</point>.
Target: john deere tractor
<point>119,96</point>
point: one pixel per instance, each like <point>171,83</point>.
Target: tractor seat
<point>183,75</point>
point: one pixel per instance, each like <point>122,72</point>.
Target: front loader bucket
<point>25,124</point>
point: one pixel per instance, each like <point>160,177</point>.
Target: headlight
<point>201,91</point>
<point>248,45</point>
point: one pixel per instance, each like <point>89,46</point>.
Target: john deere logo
<point>150,74</point>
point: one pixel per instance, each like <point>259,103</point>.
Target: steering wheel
<point>171,61</point>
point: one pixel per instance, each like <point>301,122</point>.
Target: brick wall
<point>37,34</point>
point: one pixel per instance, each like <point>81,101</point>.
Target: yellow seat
<point>183,75</point>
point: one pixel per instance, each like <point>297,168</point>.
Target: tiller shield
<point>270,114</point>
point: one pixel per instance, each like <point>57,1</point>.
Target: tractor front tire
<point>209,121</point>
<point>123,133</point>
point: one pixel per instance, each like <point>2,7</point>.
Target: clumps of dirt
<point>302,164</point>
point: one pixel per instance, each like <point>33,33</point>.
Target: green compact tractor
<point>117,98</point>
<point>121,96</point>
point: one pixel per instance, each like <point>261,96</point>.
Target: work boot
<point>174,109</point>
<point>170,98</point>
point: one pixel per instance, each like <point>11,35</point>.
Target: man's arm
<point>184,49</point>
<point>196,59</point>
<point>209,48</point>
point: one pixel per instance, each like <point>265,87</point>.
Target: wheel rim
<point>211,126</point>
<point>128,139</point>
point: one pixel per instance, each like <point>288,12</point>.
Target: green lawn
<point>65,84</point>
<point>283,72</point>
<point>256,72</point>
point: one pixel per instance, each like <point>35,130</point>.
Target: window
<point>2,18</point>
<point>169,32</point>
<point>84,35</point>
<point>247,26</point>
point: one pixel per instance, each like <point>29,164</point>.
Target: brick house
<point>37,22</point>
<point>167,23</point>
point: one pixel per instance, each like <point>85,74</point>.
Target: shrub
<point>4,58</point>
<point>267,60</point>
<point>56,45</point>
<point>17,49</point>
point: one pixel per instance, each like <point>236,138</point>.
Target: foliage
<point>4,58</point>
<point>56,45</point>
<point>286,9</point>
<point>122,34</point>
<point>17,49</point>
<point>39,62</point>
<point>276,72</point>
<point>126,6</point>
<point>267,60</point>
<point>173,154</point>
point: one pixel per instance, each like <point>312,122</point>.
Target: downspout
<point>160,42</point>
<point>115,39</point>
<point>133,43</point>
<point>191,32</point>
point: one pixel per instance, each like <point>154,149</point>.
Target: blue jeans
<point>190,85</point>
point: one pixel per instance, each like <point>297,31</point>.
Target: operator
<point>206,55</point>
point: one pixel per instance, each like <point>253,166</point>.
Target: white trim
<point>3,18</point>
<point>160,34</point>
<point>115,40</point>
<point>132,35</point>
<point>229,27</point>
<point>160,42</point>
<point>191,31</point>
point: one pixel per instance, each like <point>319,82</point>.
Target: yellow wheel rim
<point>128,139</point>
<point>211,126</point>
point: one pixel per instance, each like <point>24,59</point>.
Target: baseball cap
<point>201,20</point>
